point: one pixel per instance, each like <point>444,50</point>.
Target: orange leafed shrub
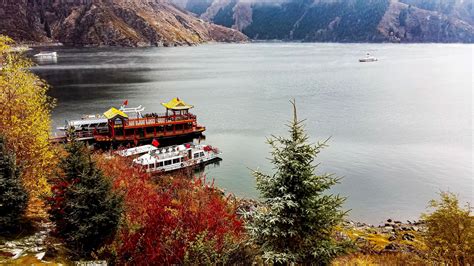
<point>175,221</point>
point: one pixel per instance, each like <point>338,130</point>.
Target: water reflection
<point>401,128</point>
<point>46,60</point>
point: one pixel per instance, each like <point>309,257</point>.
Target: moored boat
<point>165,159</point>
<point>83,129</point>
<point>130,125</point>
<point>46,55</point>
<point>176,122</point>
<point>368,58</point>
<point>136,151</point>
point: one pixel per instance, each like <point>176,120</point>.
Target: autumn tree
<point>172,221</point>
<point>450,235</point>
<point>84,208</point>
<point>296,221</point>
<point>13,196</point>
<point>25,119</point>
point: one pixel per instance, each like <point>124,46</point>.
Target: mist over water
<point>400,128</point>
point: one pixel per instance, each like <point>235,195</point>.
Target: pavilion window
<point>149,130</point>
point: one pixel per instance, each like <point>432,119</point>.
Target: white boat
<point>136,151</point>
<point>165,159</point>
<point>368,58</point>
<point>85,126</point>
<point>46,55</point>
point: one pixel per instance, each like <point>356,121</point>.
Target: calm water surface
<point>401,128</point>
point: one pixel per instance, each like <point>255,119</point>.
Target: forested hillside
<point>342,20</point>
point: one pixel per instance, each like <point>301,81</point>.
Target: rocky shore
<point>391,237</point>
<point>29,246</point>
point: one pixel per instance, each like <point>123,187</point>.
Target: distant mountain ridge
<point>108,23</point>
<point>342,20</point>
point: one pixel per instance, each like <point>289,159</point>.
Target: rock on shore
<point>108,23</point>
<point>392,236</point>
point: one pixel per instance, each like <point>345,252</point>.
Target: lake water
<point>401,128</point>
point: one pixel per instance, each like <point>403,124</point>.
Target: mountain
<point>461,9</point>
<point>342,20</point>
<point>108,23</point>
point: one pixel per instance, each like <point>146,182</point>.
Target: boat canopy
<point>113,113</point>
<point>137,150</point>
<point>177,104</point>
<point>75,123</point>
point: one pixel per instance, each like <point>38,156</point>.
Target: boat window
<point>152,165</point>
<point>168,162</point>
<point>149,130</point>
<point>160,164</point>
<point>202,154</point>
<point>176,160</point>
<point>196,155</point>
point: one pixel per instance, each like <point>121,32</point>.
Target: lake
<point>400,128</point>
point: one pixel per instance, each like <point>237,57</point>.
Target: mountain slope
<point>344,20</point>
<point>460,9</point>
<point>108,22</point>
<point>406,23</point>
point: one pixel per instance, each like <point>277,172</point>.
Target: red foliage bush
<point>164,222</point>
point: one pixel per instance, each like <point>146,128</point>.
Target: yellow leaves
<point>25,119</point>
<point>5,43</point>
<point>450,235</point>
<point>379,259</point>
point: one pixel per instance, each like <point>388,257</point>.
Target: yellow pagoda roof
<point>114,112</point>
<point>177,104</point>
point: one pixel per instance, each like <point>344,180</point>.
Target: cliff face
<point>108,22</point>
<point>19,21</point>
<point>344,20</point>
<point>406,23</point>
<point>460,9</point>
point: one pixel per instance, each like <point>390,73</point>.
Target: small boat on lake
<point>46,55</point>
<point>159,160</point>
<point>368,58</point>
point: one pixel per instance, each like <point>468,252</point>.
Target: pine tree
<point>13,196</point>
<point>84,208</point>
<point>296,221</point>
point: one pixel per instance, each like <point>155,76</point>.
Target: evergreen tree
<point>84,208</point>
<point>296,222</point>
<point>13,196</point>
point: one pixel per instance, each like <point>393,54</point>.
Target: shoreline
<point>32,45</point>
